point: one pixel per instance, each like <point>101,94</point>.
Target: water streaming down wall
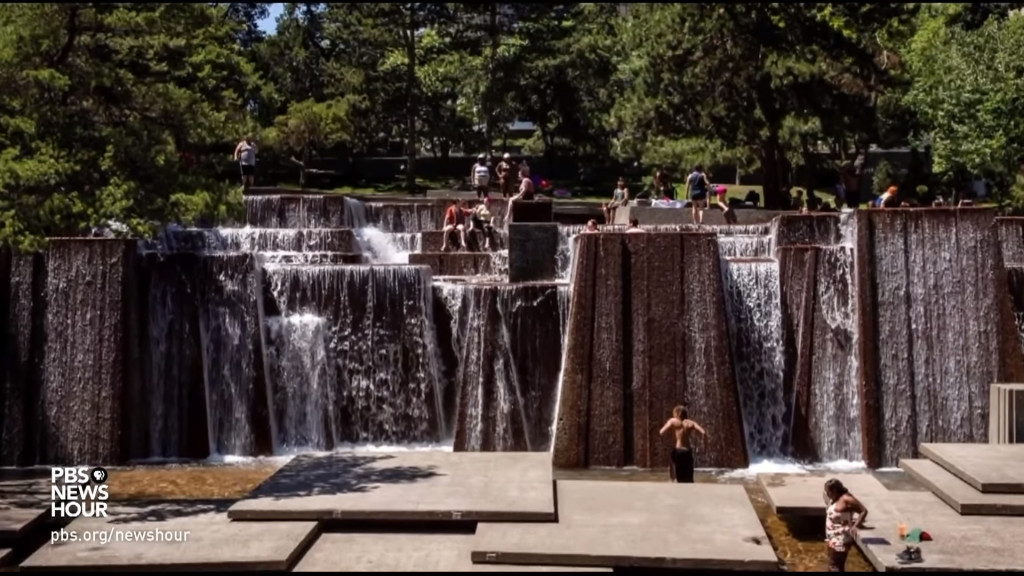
<point>295,211</point>
<point>374,326</point>
<point>23,341</point>
<point>90,353</point>
<point>754,312</point>
<point>503,358</point>
<point>922,380</point>
<point>168,414</point>
<point>646,332</point>
<point>232,352</point>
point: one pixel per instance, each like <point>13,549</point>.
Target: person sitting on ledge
<point>620,196</point>
<point>591,226</point>
<point>481,219</point>
<point>634,227</point>
<point>454,219</point>
<point>526,191</point>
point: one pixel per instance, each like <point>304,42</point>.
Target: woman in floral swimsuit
<point>845,514</point>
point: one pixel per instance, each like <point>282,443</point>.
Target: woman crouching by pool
<point>845,514</point>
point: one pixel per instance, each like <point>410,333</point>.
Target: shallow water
<point>799,545</point>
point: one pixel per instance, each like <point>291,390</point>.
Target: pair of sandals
<point>911,555</point>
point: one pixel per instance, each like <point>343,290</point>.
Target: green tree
<point>116,112</point>
<point>309,127</point>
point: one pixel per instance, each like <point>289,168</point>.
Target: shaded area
<point>644,336</point>
<point>340,473</point>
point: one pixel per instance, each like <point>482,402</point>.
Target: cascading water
<point>835,373</point>
<point>754,311</point>
<point>374,325</point>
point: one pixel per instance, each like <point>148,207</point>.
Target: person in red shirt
<point>455,219</point>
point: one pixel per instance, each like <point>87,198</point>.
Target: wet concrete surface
<point>799,544</point>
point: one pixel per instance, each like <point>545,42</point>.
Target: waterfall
<point>506,346</point>
<point>231,352</point>
<point>375,325</point>
<point>754,311</point>
<point>835,406</point>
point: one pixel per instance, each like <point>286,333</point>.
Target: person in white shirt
<point>245,154</point>
<point>480,176</point>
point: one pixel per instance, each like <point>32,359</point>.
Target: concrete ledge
<point>328,258</point>
<point>407,487</point>
<point>996,468</point>
<point>527,211</point>
<point>637,525</point>
<point>712,216</point>
<point>803,495</point>
<point>454,263</point>
<point>1006,414</point>
<point>5,555</point>
<point>213,543</point>
<point>961,496</point>
<point>396,552</point>
<point>433,240</point>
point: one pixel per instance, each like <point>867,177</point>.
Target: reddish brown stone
<point>806,229</point>
<point>666,361</point>
<point>711,394</point>
<point>637,395</point>
<point>570,440</point>
<point>1011,239</point>
<point>797,273</point>
<point>606,428</point>
<point>867,329</point>
<point>454,263</point>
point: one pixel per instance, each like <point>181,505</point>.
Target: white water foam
<point>781,466</point>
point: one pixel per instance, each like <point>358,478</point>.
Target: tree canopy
<point>129,113</point>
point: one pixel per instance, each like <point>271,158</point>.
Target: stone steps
<point>988,468</point>
<point>961,496</point>
<point>433,240</point>
<point>455,263</point>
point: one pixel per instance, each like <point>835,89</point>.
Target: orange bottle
<point>903,530</point>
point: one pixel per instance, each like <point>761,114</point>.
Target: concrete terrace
<point>427,511</point>
<point>971,529</point>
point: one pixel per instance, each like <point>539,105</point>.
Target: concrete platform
<point>202,538</point>
<point>637,524</point>
<point>24,505</point>
<point>4,555</point>
<point>391,552</point>
<point>962,496</point>
<point>454,263</point>
<point>995,468</point>
<point>803,494</point>
<point>407,486</point>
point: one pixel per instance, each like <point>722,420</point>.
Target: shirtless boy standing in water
<point>682,455</point>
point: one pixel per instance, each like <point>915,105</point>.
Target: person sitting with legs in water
<point>454,219</point>
<point>682,455</point>
<point>619,198</point>
<point>697,186</point>
<point>844,515</point>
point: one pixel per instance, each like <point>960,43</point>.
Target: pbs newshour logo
<point>78,491</point>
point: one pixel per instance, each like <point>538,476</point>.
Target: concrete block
<point>403,552</point>
<point>961,496</point>
<point>639,525</point>
<point>987,467</point>
<point>1006,414</point>
<point>803,495</point>
<point>531,252</point>
<point>529,211</point>
<point>454,263</point>
<point>407,487</point>
<point>175,536</point>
